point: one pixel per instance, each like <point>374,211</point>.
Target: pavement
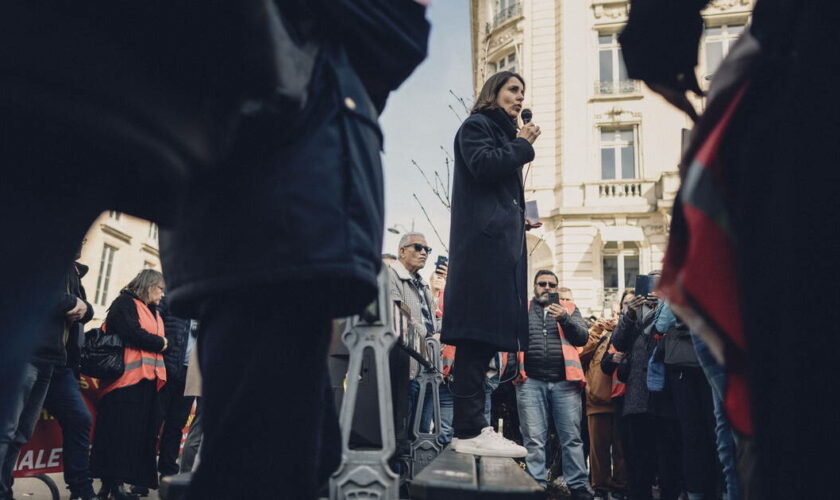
<point>28,488</point>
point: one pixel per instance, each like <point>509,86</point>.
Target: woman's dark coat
<point>486,291</point>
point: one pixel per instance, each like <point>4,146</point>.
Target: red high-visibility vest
<point>139,364</point>
<point>571,359</point>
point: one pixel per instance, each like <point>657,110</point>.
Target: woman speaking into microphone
<point>486,291</point>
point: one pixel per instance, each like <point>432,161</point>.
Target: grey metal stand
<point>365,474</point>
<point>426,446</point>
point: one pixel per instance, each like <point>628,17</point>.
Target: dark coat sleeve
<point>486,161</point>
<point>574,328</point>
<point>608,366</point>
<point>122,319</point>
<point>625,334</point>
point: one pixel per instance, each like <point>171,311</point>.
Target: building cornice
<point>116,233</point>
<point>150,249</point>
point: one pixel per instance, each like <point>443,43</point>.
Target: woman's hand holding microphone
<point>529,132</point>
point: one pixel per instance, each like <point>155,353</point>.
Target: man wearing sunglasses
<point>409,288</point>
<point>550,381</point>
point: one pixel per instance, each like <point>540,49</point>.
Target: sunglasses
<point>546,284</point>
<point>418,247</point>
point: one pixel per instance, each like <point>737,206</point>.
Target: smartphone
<point>553,298</point>
<point>644,285</point>
<point>442,260</point>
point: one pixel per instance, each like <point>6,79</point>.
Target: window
<point>612,74</point>
<point>618,153</point>
<point>507,63</point>
<point>717,40</point>
<point>153,231</point>
<point>114,214</point>
<point>620,266</point>
<point>106,263</point>
<point>506,9</point>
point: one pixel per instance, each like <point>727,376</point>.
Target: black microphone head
<point>526,115</point>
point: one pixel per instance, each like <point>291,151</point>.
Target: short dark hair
<point>544,272</point>
<point>490,91</point>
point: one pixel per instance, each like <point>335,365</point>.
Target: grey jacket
<point>403,289</point>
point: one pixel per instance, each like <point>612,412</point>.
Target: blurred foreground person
<point>296,242</point>
<point>486,294</point>
<point>127,411</point>
<point>758,201</point>
<point>250,130</point>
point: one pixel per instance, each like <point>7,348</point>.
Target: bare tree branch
<point>461,100</point>
<point>445,202</point>
<point>456,113</point>
<point>430,222</point>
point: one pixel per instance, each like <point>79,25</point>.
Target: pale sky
<point>417,122</point>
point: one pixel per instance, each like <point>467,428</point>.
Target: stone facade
<point>605,172</point>
<point>117,247</point>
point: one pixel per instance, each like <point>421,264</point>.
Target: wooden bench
<point>461,476</point>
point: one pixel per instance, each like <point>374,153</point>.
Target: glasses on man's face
<point>419,248</point>
<point>547,284</point>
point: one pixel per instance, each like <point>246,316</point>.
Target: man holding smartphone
<point>550,381</point>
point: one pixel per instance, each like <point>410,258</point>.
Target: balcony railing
<point>507,13</point>
<point>608,87</point>
<point>620,190</point>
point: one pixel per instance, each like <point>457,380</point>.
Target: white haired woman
<point>124,442</point>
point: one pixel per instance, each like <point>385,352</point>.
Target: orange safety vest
<point>139,364</point>
<point>571,359</point>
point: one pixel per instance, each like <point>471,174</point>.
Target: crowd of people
<point>139,414</point>
<point>184,116</point>
<point>630,400</point>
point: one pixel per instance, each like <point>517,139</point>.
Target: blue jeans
<point>20,422</point>
<point>64,402</point>
<point>447,409</point>
<point>537,401</point>
<point>726,442</point>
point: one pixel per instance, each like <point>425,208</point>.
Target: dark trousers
<point>653,450</point>
<point>695,410</point>
<point>64,402</point>
<point>174,412</point>
<point>270,425</point>
<point>472,360</point>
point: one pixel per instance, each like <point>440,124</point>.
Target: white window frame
<point>616,146</point>
<point>726,38</point>
<point>103,281</point>
<point>616,86</point>
<point>620,254</point>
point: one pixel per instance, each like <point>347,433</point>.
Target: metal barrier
<point>366,473</point>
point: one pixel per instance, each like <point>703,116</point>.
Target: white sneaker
<point>489,444</point>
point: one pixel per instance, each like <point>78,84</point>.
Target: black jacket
<point>177,332</point>
<point>486,290</point>
<point>302,206</point>
<point>544,357</point>
<point>123,320</point>
<point>60,342</point>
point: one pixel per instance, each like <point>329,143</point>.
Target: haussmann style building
<point>605,172</point>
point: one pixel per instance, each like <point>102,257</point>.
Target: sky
<point>417,121</point>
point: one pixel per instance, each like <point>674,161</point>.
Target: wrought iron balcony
<point>507,13</point>
<point>609,87</point>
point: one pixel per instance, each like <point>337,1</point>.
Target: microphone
<point>526,115</point>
